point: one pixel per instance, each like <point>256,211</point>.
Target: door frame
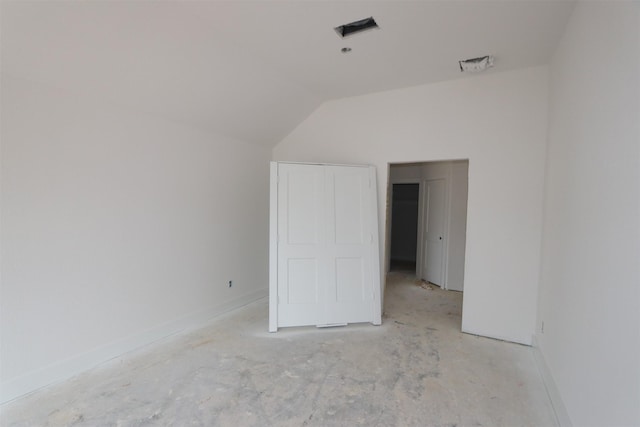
<point>273,247</point>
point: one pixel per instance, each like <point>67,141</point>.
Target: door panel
<point>434,233</point>
<point>300,244</point>
<point>348,195</point>
<point>303,214</point>
<point>349,247</point>
<point>303,281</point>
<point>349,280</point>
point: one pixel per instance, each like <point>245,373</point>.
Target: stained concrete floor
<point>416,369</point>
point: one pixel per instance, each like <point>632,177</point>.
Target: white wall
<point>117,229</point>
<point>589,296</point>
<point>408,172</point>
<point>498,122</point>
<point>457,224</point>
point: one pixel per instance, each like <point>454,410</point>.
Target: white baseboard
<point>32,381</point>
<point>516,340</point>
<point>562,416</point>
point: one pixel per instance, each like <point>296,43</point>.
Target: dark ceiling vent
<point>356,26</point>
<point>476,65</point>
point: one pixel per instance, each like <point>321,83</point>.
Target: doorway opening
<point>404,227</point>
<point>427,221</point>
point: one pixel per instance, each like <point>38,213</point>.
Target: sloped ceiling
<point>253,70</point>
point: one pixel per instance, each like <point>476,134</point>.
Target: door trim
<point>273,247</point>
<point>377,276</point>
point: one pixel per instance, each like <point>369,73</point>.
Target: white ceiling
<point>254,70</point>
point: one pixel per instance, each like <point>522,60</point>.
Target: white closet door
<point>349,242</point>
<point>301,244</point>
<point>324,253</point>
<point>434,233</point>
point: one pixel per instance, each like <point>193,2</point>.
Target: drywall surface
<point>457,224</point>
<point>407,172</point>
<point>117,229</point>
<point>589,296</point>
<point>498,122</point>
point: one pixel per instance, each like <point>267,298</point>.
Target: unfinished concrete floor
<point>417,369</point>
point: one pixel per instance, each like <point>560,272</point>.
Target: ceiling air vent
<point>475,65</point>
<point>356,27</point>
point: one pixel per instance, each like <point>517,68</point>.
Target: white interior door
<point>349,242</point>
<point>434,231</point>
<point>301,244</point>
<point>325,270</point>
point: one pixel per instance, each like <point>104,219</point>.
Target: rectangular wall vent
<point>356,26</point>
